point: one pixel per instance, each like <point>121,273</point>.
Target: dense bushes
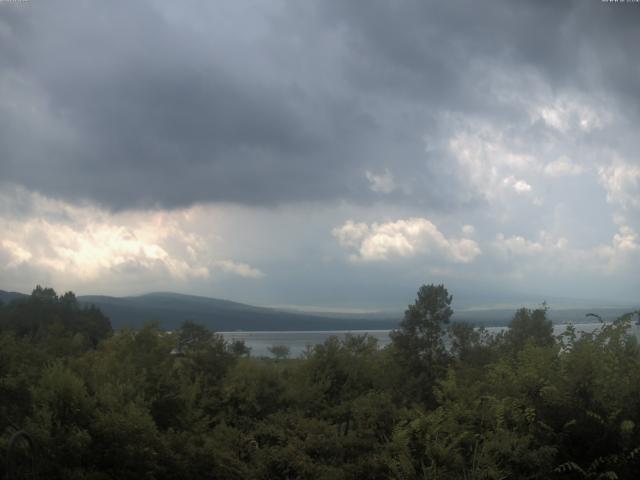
<point>442,401</point>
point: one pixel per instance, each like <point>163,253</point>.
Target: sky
<point>326,154</point>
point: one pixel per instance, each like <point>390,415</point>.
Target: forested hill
<point>8,297</point>
<point>171,309</point>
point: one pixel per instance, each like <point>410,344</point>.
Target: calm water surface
<point>259,342</point>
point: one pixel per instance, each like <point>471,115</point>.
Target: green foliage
<point>61,418</point>
<point>254,390</point>
<point>530,326</point>
<point>444,401</point>
<point>419,346</point>
<point>280,351</point>
<point>239,348</point>
<point>44,315</point>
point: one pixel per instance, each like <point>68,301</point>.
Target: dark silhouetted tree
<point>530,326</point>
<point>419,343</point>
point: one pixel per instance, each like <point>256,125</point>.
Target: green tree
<point>239,348</point>
<point>279,351</point>
<point>193,337</point>
<point>254,389</point>
<point>530,326</point>
<point>44,315</point>
<point>60,422</point>
<point>419,343</point>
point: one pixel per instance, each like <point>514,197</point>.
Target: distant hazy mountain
<point>8,297</point>
<point>502,316</point>
<point>171,309</point>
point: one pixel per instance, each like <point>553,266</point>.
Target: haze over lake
<point>299,342</point>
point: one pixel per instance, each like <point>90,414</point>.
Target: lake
<point>259,342</point>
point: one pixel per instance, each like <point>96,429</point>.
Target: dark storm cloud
<point>146,103</point>
<point>427,50</point>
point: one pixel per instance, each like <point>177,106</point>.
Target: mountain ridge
<point>171,309</point>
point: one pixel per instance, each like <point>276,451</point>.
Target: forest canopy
<point>444,400</point>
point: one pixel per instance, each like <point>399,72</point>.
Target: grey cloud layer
<point>169,103</point>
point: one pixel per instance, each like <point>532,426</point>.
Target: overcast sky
<point>321,153</point>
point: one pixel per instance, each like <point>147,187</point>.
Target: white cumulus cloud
<point>621,181</point>
<point>489,162</point>
<point>82,245</point>
<point>403,238</point>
